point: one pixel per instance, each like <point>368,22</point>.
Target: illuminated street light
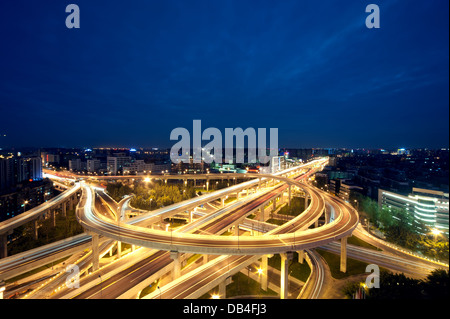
<point>436,232</point>
<point>215,296</point>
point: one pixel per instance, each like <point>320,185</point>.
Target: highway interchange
<point>161,255</point>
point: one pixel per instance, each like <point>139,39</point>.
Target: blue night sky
<point>135,70</point>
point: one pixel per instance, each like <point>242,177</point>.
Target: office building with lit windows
<point>428,206</point>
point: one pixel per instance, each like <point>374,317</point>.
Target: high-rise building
<point>93,165</point>
<point>29,169</point>
<point>77,165</point>
<point>7,179</point>
<point>115,164</point>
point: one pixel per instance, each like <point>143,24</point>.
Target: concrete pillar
<point>259,184</point>
<point>64,209</point>
<point>289,195</point>
<point>344,254</point>
<point>316,223</point>
<point>95,252</point>
<point>236,229</point>
<point>223,201</point>
<point>3,246</point>
<point>2,288</point>
<point>133,248</point>
<point>207,184</point>
<point>205,259</point>
<point>306,200</point>
<point>119,249</point>
<point>301,256</point>
<point>264,268</point>
<point>195,182</point>
<point>284,280</point>
<point>261,213</point>
<point>274,204</point>
<point>54,217</point>
<point>35,223</point>
<point>223,290</point>
<point>176,271</point>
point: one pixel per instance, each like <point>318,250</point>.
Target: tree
<point>396,286</point>
<point>436,285</point>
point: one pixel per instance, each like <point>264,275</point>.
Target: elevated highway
<point>50,206</point>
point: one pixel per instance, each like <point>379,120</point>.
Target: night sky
<point>137,69</point>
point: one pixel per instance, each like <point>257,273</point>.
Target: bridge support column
<point>2,288</point>
<point>64,209</point>
<point>261,213</point>
<point>205,259</point>
<point>344,254</point>
<point>3,245</point>
<point>223,288</point>
<point>223,201</point>
<point>289,196</point>
<point>316,223</point>
<point>54,217</point>
<point>35,223</point>
<point>259,184</point>
<point>95,252</point>
<point>119,249</point>
<point>236,229</point>
<point>284,280</point>
<point>274,204</point>
<point>207,184</point>
<point>176,271</point>
<point>133,248</point>
<point>301,256</point>
<point>264,274</point>
<point>306,200</point>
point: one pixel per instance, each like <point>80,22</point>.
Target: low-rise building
<point>428,206</point>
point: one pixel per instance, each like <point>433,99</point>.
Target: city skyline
<point>131,74</point>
